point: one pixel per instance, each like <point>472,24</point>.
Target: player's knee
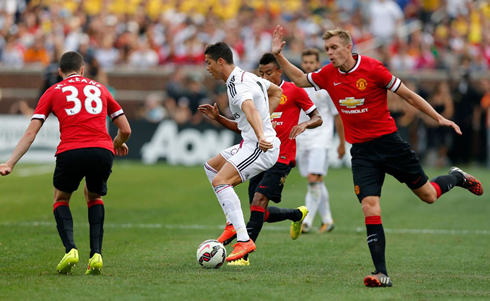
<point>369,210</point>
<point>260,200</point>
<point>218,180</point>
<point>315,178</point>
<point>429,198</point>
<point>370,206</point>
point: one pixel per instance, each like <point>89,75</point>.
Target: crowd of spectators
<point>406,35</point>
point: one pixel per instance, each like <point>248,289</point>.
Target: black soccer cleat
<point>469,182</point>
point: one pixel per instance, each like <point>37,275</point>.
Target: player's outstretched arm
<point>314,121</point>
<point>274,93</point>
<point>423,106</point>
<point>212,112</point>
<point>123,133</point>
<point>253,117</point>
<point>293,72</point>
<point>22,146</point>
<point>339,127</point>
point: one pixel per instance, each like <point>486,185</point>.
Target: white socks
<point>232,208</point>
<point>312,201</point>
<point>317,199</point>
<point>324,208</point>
<point>211,173</point>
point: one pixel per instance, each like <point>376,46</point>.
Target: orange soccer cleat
<point>228,235</point>
<point>241,249</point>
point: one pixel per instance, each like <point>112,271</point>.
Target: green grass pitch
<point>156,216</point>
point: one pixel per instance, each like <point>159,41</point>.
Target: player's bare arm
<point>275,93</point>
<point>314,121</point>
<point>253,117</point>
<point>339,127</point>
<point>294,73</point>
<point>423,106</point>
<point>22,146</point>
<point>123,133</point>
<point>212,112</point>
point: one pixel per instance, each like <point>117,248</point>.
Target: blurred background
<point>149,53</point>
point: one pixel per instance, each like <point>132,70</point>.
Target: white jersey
<point>242,86</point>
<point>322,136</point>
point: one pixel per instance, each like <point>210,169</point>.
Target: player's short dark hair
<point>220,50</point>
<point>268,58</point>
<point>311,51</point>
<point>71,61</point>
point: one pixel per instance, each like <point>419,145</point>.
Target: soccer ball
<point>211,254</point>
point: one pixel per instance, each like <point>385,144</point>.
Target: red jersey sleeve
<point>318,79</point>
<point>304,101</point>
<point>44,106</point>
<point>114,110</point>
<point>384,78</point>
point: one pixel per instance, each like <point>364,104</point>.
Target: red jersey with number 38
<point>360,96</point>
<point>81,106</point>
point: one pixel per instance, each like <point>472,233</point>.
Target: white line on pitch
<point>268,227</point>
<point>34,171</point>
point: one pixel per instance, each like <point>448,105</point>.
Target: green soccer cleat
<point>240,262</point>
<point>69,260</point>
<point>296,228</point>
<point>95,265</point>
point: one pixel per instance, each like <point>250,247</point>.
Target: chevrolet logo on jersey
<point>351,102</point>
<point>276,115</point>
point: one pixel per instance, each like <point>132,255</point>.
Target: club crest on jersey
<point>284,98</point>
<point>351,102</point>
<point>361,84</point>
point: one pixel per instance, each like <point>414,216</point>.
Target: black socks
<point>96,214</point>
<point>277,214</point>
<point>64,224</point>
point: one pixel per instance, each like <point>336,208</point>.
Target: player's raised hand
<point>449,123</point>
<point>210,111</point>
<point>277,42</point>
<point>5,169</point>
<point>265,145</point>
<point>297,129</point>
<point>121,149</point>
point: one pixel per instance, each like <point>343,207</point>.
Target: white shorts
<point>312,161</point>
<point>249,160</point>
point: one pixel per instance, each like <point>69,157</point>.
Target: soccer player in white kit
<point>313,146</point>
<point>248,97</point>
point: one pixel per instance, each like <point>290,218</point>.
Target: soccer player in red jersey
<point>358,87</point>
<point>269,184</point>
<point>86,150</point>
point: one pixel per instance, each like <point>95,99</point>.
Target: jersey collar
<point>282,83</point>
<point>73,75</point>
<point>358,62</point>
<point>234,72</point>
